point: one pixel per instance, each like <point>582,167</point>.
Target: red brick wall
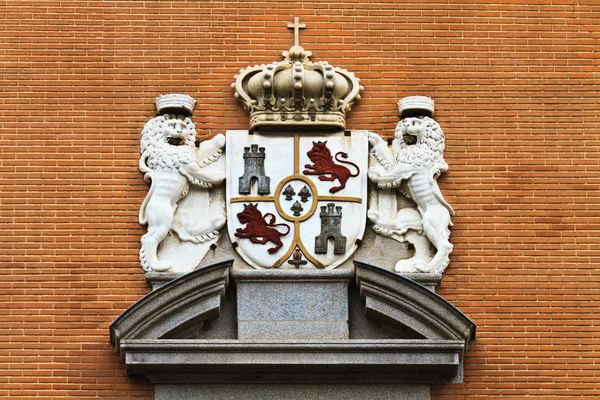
<point>517,95</point>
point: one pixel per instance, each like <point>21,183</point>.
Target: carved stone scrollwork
<point>171,162</point>
<point>411,168</point>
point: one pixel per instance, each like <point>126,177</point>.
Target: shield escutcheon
<point>296,200</point>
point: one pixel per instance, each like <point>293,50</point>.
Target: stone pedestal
<point>292,392</point>
<point>292,304</point>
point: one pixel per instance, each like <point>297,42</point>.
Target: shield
<point>296,200</point>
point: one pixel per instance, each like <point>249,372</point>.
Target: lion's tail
<point>285,225</point>
<point>142,215</point>
<point>271,223</point>
<point>145,168</point>
<point>345,155</point>
<point>147,178</point>
<point>211,150</point>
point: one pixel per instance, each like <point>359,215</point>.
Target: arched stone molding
<point>192,297</point>
<point>404,304</point>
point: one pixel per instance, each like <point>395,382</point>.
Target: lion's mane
<point>428,152</point>
<point>158,153</point>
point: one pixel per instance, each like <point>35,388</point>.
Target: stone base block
<point>430,280</point>
<point>158,279</point>
<point>292,304</point>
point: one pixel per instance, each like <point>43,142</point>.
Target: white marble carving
<point>410,168</point>
<point>171,162</point>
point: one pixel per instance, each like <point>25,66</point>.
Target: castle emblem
<point>254,168</point>
<point>331,227</point>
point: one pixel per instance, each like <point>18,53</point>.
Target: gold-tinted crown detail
<point>297,92</point>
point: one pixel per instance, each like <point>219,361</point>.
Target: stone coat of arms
<point>296,190</point>
<point>317,218</point>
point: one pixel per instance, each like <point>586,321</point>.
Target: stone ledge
<point>396,360</point>
<point>429,280</point>
<point>159,279</point>
<point>297,275</point>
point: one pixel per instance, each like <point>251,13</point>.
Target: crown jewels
<point>297,92</point>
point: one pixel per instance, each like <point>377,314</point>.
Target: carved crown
<point>416,105</point>
<point>175,102</point>
<point>297,92</point>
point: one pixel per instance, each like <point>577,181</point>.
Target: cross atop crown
<point>297,91</point>
<point>296,26</point>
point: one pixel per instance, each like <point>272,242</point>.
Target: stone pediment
<point>403,303</point>
<point>163,335</point>
<point>192,298</point>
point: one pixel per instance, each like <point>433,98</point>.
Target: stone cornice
<point>151,339</point>
<point>435,360</point>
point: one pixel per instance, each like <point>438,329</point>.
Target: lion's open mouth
<point>409,139</point>
<point>174,141</point>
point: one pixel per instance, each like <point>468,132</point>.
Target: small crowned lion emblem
<point>260,229</point>
<point>171,163</point>
<point>324,165</point>
<point>412,166</point>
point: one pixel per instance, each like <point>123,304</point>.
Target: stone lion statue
<point>412,166</point>
<point>170,162</point>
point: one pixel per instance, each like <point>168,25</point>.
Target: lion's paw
<point>375,139</point>
<point>405,266</point>
<point>422,266</point>
<point>161,266</point>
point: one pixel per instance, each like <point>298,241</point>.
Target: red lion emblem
<point>259,229</point>
<point>324,164</point>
